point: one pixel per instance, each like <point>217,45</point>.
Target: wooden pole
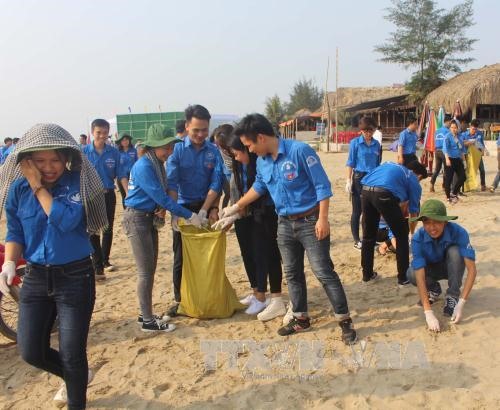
<point>327,104</point>
<point>337,99</point>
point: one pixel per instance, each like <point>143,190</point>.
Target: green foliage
<point>429,38</point>
<point>275,110</point>
<point>305,94</point>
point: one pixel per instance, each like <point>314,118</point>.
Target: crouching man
<point>441,250</point>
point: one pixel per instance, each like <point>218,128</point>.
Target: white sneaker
<point>275,308</point>
<point>255,307</point>
<point>61,397</point>
<point>247,300</point>
<point>288,315</point>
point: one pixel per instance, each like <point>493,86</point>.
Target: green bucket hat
<point>122,135</point>
<point>435,210</point>
<point>157,136</point>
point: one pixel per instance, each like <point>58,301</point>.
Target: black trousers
<point>456,169</point>
<point>374,204</point>
<point>439,162</point>
<point>356,204</point>
<point>177,248</point>
<point>102,250</point>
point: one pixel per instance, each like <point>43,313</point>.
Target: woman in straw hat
<point>147,197</point>
<point>53,199</point>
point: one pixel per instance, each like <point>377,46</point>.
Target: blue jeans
<point>293,238</point>
<point>452,268</point>
<point>67,291</point>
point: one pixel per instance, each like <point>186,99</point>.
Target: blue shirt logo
<point>289,170</point>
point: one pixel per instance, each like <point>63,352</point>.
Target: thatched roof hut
<point>472,88</point>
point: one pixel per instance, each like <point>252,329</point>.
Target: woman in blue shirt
<point>145,207</point>
<point>128,157</point>
<point>54,200</point>
<point>256,231</point>
<point>453,150</point>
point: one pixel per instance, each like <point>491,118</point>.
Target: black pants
<point>374,204</point>
<point>356,204</point>
<point>177,248</point>
<point>407,158</point>
<point>257,238</point>
<point>439,161</point>
<point>456,169</point>
<point>482,173</point>
<point>102,251</point>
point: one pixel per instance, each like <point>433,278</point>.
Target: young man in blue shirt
<point>194,180</point>
<point>439,159</point>
<point>407,144</point>
<point>106,161</point>
<point>475,137</point>
<point>291,172</point>
<point>389,190</point>
<point>364,157</point>
<point>441,250</point>
<point>7,143</point>
<point>497,177</point>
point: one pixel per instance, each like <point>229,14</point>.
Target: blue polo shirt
<point>408,140</point>
<point>6,151</point>
<point>452,148</point>
<point>145,192</point>
<point>192,173</point>
<point>426,250</point>
<point>439,137</point>
<point>296,180</point>
<point>56,239</point>
<point>132,153</point>
<point>126,161</point>
<point>108,164</point>
<point>478,137</point>
<point>397,179</point>
<point>363,157</point>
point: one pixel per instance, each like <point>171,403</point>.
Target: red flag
<point>430,142</point>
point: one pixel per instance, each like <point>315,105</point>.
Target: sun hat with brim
<point>122,135</point>
<point>157,136</point>
<point>23,152</point>
<point>435,210</point>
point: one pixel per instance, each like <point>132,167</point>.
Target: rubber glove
<point>230,210</point>
<point>432,321</point>
<point>225,222</point>
<point>348,186</point>
<point>175,223</point>
<point>195,220</point>
<point>458,311</point>
<point>203,217</point>
<point>7,276</point>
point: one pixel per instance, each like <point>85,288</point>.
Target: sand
<point>402,364</point>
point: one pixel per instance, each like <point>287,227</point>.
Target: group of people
<point>59,198</point>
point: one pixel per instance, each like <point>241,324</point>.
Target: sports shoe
<point>483,188</point>
<point>61,397</point>
<point>99,275</point>
<point>373,278</point>
<point>275,308</point>
<point>157,326</point>
<point>163,318</point>
<point>462,194</point>
<point>108,267</point>
<point>172,310</point>
<point>255,307</point>
<point>403,283</point>
<point>288,315</point>
<point>492,190</point>
<point>296,325</point>
<point>247,300</point>
<point>349,335</point>
<point>449,305</point>
<point>433,294</point>
<point>358,245</point>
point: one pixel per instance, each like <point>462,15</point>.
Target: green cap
<point>122,135</point>
<point>435,210</point>
<point>157,136</point>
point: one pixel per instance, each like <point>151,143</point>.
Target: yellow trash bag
<point>472,169</point>
<point>205,290</point>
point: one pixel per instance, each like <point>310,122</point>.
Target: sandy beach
<point>397,364</point>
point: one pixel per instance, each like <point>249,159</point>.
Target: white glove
<point>432,321</point>
<point>195,220</point>
<point>7,276</point>
<point>223,223</point>
<point>175,223</point>
<point>230,210</point>
<point>348,186</point>
<point>458,311</point>
<point>203,217</point>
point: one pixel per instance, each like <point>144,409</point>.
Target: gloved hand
<point>458,311</point>
<point>348,186</point>
<point>7,276</point>
<point>432,321</point>
<point>225,222</point>
<point>230,210</point>
<point>175,223</point>
<point>203,217</point>
<point>195,220</point>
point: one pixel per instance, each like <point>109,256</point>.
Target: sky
<point>68,62</point>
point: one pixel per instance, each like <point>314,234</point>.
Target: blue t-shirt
<point>108,164</point>
<point>478,137</point>
<point>397,179</point>
<point>426,250</point>
<point>145,191</point>
<point>296,180</point>
<point>56,239</point>
<point>363,157</point>
<point>408,140</point>
<point>439,137</point>
<point>452,147</point>
<point>193,172</point>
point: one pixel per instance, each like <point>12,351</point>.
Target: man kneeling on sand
<point>441,250</point>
